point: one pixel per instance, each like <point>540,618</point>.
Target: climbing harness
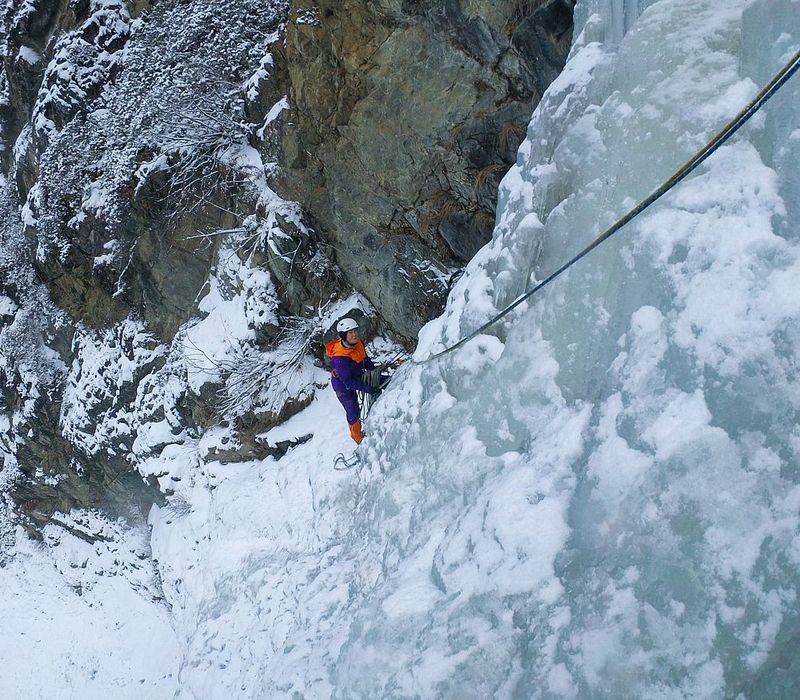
<point>778,80</point>
<point>374,379</point>
<point>377,379</point>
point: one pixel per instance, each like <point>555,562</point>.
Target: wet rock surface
<point>404,117</point>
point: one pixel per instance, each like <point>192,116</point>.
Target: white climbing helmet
<point>346,324</point>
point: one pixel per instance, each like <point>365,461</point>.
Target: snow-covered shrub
<point>73,187</point>
<point>265,381</point>
<point>242,318</point>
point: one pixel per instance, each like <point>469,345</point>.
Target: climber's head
<point>348,331</point>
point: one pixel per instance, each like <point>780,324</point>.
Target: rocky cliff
<point>193,191</point>
<point>404,117</point>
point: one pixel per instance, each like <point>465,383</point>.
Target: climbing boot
<point>355,431</point>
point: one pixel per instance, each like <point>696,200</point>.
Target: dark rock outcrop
<point>404,117</point>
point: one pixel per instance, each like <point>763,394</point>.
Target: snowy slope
<point>84,619</point>
<point>599,499</point>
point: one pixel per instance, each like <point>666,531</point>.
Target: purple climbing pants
<point>349,400</point>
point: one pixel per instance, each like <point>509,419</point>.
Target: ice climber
<point>348,361</point>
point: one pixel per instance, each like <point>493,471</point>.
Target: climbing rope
<point>722,136</point>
